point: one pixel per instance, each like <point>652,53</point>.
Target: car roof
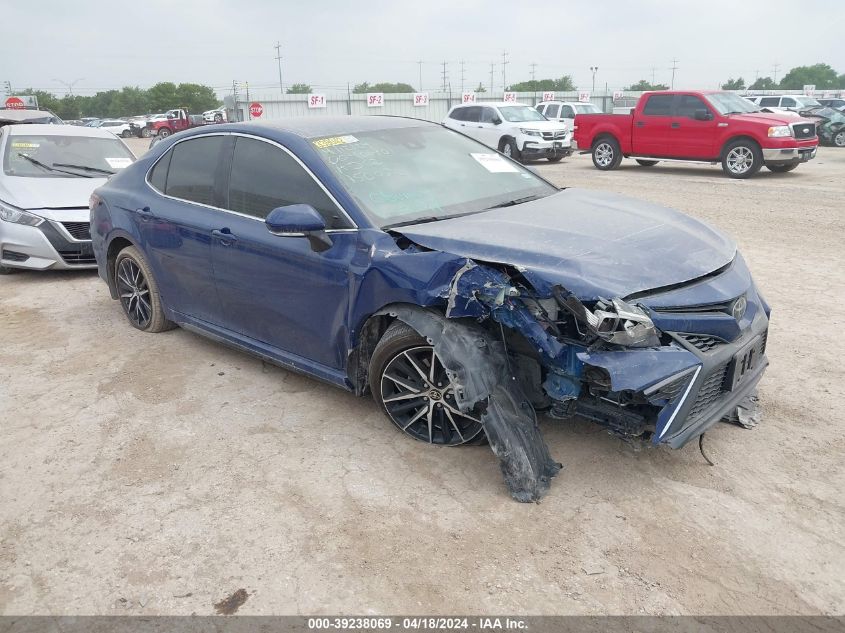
<point>44,129</point>
<point>496,104</point>
<point>316,125</point>
<point>17,116</point>
<point>571,103</point>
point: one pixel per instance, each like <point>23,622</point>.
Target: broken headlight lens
<point>18,216</point>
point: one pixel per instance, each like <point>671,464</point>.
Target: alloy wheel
<point>134,292</point>
<point>604,154</point>
<point>839,139</point>
<point>419,397</point>
<point>740,160</point>
<point>507,151</point>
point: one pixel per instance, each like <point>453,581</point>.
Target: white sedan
<point>49,173</point>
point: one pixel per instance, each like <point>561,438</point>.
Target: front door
<point>277,289</point>
<point>651,126</point>
<point>691,138</point>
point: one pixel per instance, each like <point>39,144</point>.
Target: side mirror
<point>495,121</point>
<point>702,115</point>
<point>300,219</point>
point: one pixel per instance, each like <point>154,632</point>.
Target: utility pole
<point>444,76</point>
<point>594,70</point>
<point>775,72</point>
<point>7,85</point>
<point>674,68</point>
<point>533,71</point>
<point>462,75</point>
<point>492,66</point>
<point>278,48</point>
<point>420,63</point>
<point>68,84</point>
<point>246,83</point>
<point>505,62</point>
<point>652,75</point>
<point>235,99</point>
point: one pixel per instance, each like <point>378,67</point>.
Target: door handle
<point>640,123</point>
<point>224,236</point>
<point>676,125</point>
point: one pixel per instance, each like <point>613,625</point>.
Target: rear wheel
<point>742,158</point>
<point>647,163</point>
<point>411,386</point>
<point>138,292</point>
<point>606,153</point>
<point>145,133</point>
<point>126,133</point>
<point>780,169</point>
<point>218,118</point>
<point>839,139</point>
<point>554,159</point>
<point>164,132</point>
<point>508,147</point>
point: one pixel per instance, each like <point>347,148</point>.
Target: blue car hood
<point>595,244</point>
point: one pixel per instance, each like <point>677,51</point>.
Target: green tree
<point>840,81</point>
<point>384,86</point>
<point>162,97</point>
<point>195,97</point>
<point>480,88</point>
<point>818,75</point>
<point>642,85</point>
<point>299,89</point>
<point>763,83</point>
<point>734,84</point>
<point>562,84</point>
<point>362,88</point>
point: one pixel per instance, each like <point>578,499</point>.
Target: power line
<point>462,75</point>
<point>278,48</point>
<point>533,71</point>
<point>775,72</point>
<point>69,84</point>
<point>420,62</point>
<point>444,76</point>
<point>492,66</point>
<point>505,62</point>
<point>674,68</point>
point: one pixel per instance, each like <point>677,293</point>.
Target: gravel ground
<point>159,474</point>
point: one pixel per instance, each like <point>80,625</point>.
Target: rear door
<point>567,115</point>
<point>552,112</point>
<point>176,226</point>
<point>652,125</point>
<point>276,289</point>
<point>469,125</point>
<point>690,138</point>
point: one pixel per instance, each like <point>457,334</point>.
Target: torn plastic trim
<point>478,366</point>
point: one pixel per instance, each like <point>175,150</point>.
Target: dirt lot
<point>159,474</point>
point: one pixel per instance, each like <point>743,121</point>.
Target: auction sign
<point>468,97</point>
<point>375,99</point>
<point>583,96</point>
<point>316,101</point>
<point>510,97</point>
<point>420,98</point>
<point>548,96</point>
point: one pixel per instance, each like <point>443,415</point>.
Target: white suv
<point>795,103</point>
<point>565,111</point>
<point>515,129</point>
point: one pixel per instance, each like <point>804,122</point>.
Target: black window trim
<point>227,157</point>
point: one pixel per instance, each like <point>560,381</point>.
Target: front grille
<point>75,257</point>
<point>765,340</point>
<point>670,392</point>
<point>703,342</point>
<point>804,130</point>
<point>79,230</point>
<point>696,309</point>
<point>711,390</point>
<point>553,136</point>
<point>14,256</point>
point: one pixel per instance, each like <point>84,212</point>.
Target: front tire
<point>508,147</point>
<point>126,133</point>
<point>138,292</point>
<point>411,387</point>
<point>606,153</point>
<point>146,133</point>
<point>164,132</point>
<point>742,158</point>
<point>839,139</point>
<point>647,163</point>
<point>554,159</point>
<point>782,169</point>
<point>218,118</point>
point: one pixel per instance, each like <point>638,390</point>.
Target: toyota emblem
<point>738,308</point>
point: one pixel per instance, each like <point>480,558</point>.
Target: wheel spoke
<point>460,413</point>
<point>448,414</point>
<point>400,382</point>
<point>430,419</point>
<point>403,396</point>
<point>418,415</point>
<point>415,366</point>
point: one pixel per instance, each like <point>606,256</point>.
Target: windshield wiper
<point>511,203</point>
<point>410,222</point>
<point>86,168</point>
<point>48,168</point>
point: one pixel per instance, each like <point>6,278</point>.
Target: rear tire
<point>508,147</point>
<point>606,153</point>
<point>781,169</point>
<point>411,387</point>
<point>218,118</point>
<point>164,132</point>
<point>839,139</point>
<point>742,158</point>
<point>138,292</point>
<point>555,159</point>
<point>647,163</point>
<point>145,133</point>
<point>126,133</point>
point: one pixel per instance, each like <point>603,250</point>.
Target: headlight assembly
<point>779,131</point>
<point>18,216</point>
<point>528,132</point>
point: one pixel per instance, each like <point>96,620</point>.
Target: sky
<point>93,45</point>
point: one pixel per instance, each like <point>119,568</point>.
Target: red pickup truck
<point>706,126</point>
<point>177,120</point>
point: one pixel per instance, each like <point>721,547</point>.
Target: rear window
<point>193,167</point>
<point>658,105</point>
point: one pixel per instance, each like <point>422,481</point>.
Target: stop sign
<point>14,103</point>
<point>256,109</point>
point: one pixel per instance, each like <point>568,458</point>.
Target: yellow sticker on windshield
<point>322,143</point>
<point>25,145</point>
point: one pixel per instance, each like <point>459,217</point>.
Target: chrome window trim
<point>328,193</point>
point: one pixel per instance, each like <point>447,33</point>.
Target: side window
<point>265,177</point>
<point>458,114</point>
<point>488,115</point>
<point>472,114</point>
<point>539,108</point>
<point>788,102</point>
<point>552,111</point>
<point>658,105</point>
<point>688,104</point>
<point>566,112</point>
<point>769,102</point>
<point>158,176</point>
<point>193,167</point>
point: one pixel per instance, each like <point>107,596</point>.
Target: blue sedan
<point>395,257</point>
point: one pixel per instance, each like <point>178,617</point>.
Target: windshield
<point>404,175</point>
<point>807,102</point>
<point>587,108</point>
<point>518,113</point>
<point>730,103</point>
<point>64,156</point>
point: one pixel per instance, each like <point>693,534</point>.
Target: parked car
<point>796,103</point>
<point>49,172</point>
<point>118,127</point>
<point>837,104</point>
<point>395,257</point>
<point>515,129</point>
<point>830,125</point>
<point>143,126</point>
<point>174,121</point>
<point>565,111</point>
<point>708,127</point>
<point>218,115</point>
